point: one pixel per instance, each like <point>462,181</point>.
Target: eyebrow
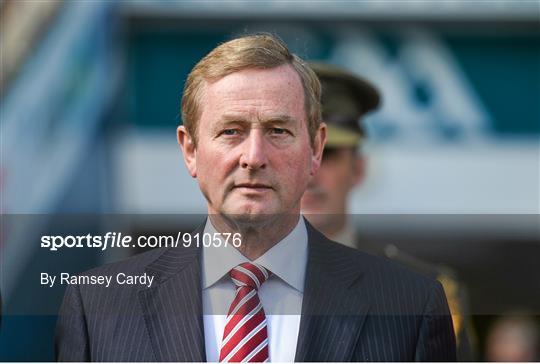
<point>280,119</point>
<point>273,119</point>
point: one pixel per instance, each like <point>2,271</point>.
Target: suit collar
<point>172,308</point>
<point>174,260</point>
<point>332,307</point>
<point>333,312</point>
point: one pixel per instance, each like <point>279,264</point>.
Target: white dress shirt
<point>281,295</point>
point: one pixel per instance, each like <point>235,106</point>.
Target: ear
<point>318,147</point>
<point>189,150</point>
<point>359,169</point>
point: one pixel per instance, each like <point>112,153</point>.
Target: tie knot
<point>249,275</point>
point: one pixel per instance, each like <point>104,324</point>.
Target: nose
<point>254,155</point>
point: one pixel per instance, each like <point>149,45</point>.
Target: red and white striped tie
<point>245,338</point>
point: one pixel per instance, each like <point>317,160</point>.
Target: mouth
<point>255,187</point>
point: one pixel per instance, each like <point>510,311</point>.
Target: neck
<point>335,229</point>
<point>330,224</point>
<point>257,237</point>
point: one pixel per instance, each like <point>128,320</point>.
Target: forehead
<point>255,91</point>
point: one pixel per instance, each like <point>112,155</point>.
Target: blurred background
<point>90,98</point>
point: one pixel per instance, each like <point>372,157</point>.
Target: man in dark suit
<point>253,137</point>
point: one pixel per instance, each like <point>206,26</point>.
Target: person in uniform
<point>346,98</point>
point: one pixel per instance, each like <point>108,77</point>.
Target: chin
<point>250,211</point>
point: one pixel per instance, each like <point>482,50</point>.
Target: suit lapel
<point>333,313</point>
<point>172,308</point>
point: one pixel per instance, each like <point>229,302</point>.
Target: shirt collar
<point>286,260</point>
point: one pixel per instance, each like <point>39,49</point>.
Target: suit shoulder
<point>383,268</point>
<point>390,287</point>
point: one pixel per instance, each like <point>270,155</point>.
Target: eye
<point>279,131</point>
<point>229,132</point>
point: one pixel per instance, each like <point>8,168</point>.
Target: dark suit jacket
<point>356,307</point>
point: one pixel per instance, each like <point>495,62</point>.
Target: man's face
<point>327,192</point>
<point>253,155</point>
